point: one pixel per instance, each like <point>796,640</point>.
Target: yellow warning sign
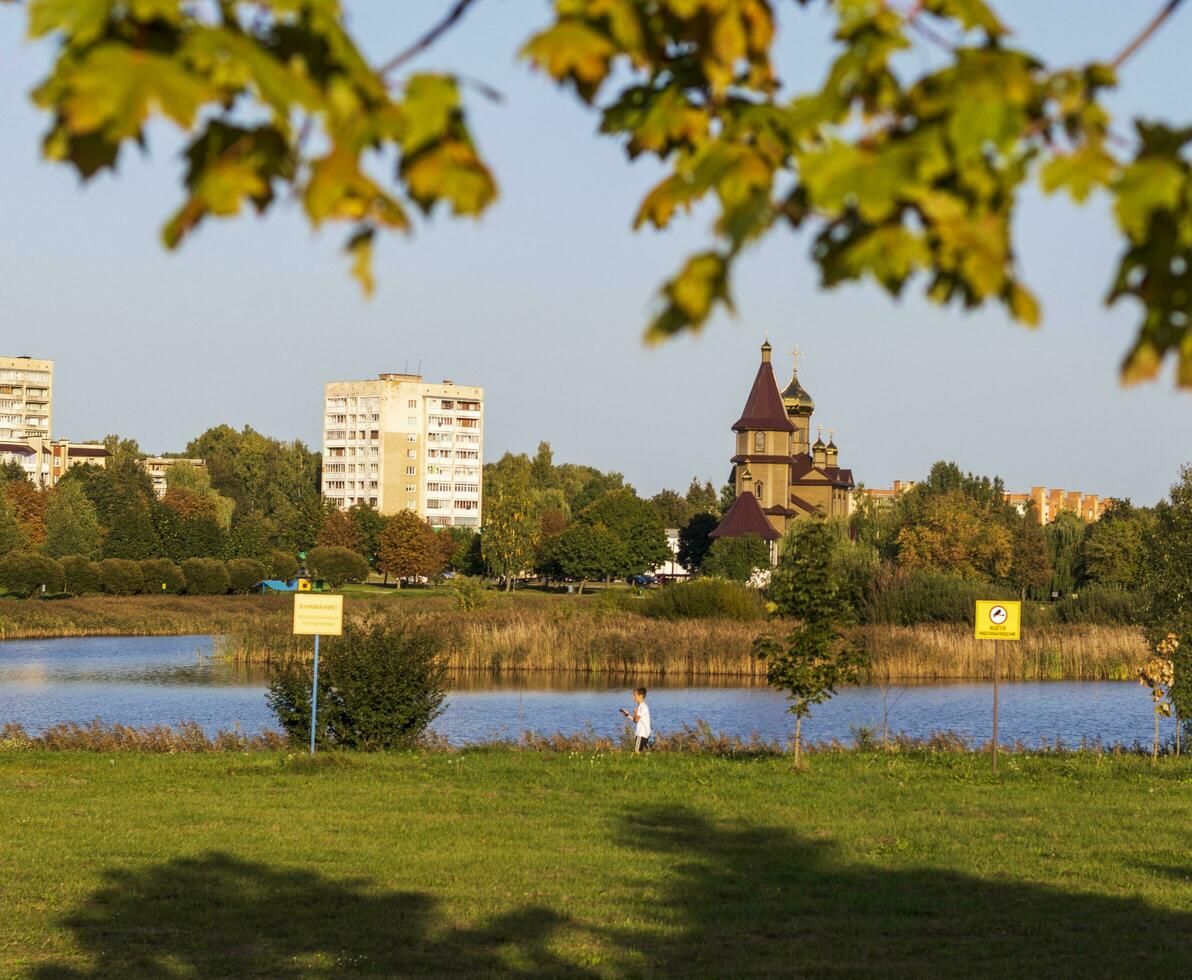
<point>318,614</point>
<point>999,620</point>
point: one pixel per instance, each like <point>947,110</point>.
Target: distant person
<point>641,720</point>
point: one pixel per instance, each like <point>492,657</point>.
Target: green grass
<point>499,862</point>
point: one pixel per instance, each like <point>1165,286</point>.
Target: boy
<point>641,719</point>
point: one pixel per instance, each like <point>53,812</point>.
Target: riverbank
<point>558,634</point>
<point>592,864</point>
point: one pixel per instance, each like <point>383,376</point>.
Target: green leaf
<point>1147,185</point>
<point>1079,173</point>
<point>452,172</point>
<point>572,51</point>
<point>430,106</point>
<point>81,20</point>
<point>115,88</point>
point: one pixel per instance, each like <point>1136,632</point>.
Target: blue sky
<point>543,301</point>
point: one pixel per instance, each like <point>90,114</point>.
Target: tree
<point>27,574</point>
<point>29,504</point>
<point>587,551</point>
<point>701,498</point>
<point>206,576</point>
<point>672,510</point>
<point>1030,563</point>
<point>186,477</point>
<point>949,532</point>
<point>1168,584</point>
<point>72,527</point>
<point>131,533</point>
<point>728,495</point>
<point>816,657</point>
<point>1065,538</point>
<point>12,536</point>
<point>462,547</point>
<point>886,167</point>
<point>335,565</point>
<point>187,526</point>
<point>409,548</point>
<point>11,470</point>
<point>736,559</point>
<point>370,522</point>
<point>596,486</point>
<point>510,535</point>
<point>340,530</point>
<point>694,541</point>
<point>635,524</point>
<point>244,574</point>
<point>542,468</point>
<point>1113,550</point>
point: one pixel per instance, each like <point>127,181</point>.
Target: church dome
<point>796,398</point>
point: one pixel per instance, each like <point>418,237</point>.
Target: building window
<point>411,471</point>
<point>411,437</point>
<point>411,454</point>
<point>412,403</point>
<point>759,444</point>
<point>758,488</point>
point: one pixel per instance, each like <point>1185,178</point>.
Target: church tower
<point>799,408</point>
<point>764,444</point>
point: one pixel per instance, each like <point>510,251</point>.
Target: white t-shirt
<point>643,721</point>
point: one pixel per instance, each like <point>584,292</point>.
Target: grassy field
<point>596,865</point>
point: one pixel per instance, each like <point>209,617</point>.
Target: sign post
<point>997,621</point>
<point>317,615</point>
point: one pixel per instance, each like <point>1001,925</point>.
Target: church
<point>779,475</point>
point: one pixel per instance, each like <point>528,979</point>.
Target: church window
<point>758,488</point>
<point>759,442</point>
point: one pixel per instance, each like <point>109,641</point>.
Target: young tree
<point>409,548</point>
<point>701,498</point>
<point>510,535</point>
<point>336,565</point>
<point>370,522</point>
<point>29,503</point>
<point>815,657</point>
<point>72,527</point>
<point>736,559</point>
<point>12,536</point>
<point>1168,584</point>
<point>587,552</point>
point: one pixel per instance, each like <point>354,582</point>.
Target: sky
<point>543,301</point>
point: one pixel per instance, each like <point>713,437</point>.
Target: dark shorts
<point>640,743</point>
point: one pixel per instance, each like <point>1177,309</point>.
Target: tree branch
<point>1156,22</point>
<point>449,20</point>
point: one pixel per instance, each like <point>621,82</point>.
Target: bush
<point>337,565</point>
<point>24,573</point>
<point>469,593</point>
<point>206,576</point>
<point>161,571</point>
<point>245,573</point>
<point>736,559</point>
<point>282,565</point>
<point>81,574</point>
<point>905,597</point>
<point>1100,605</point>
<point>706,599</point>
<point>121,576</point>
<point>380,686</point>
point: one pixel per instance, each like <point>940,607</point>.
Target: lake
<point>144,681</point>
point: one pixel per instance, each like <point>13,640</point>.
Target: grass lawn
<point>497,862</point>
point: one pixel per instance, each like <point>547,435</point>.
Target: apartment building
<point>156,467</point>
<point>46,462</point>
<point>1046,504</point>
<point>26,399</point>
<point>401,443</point>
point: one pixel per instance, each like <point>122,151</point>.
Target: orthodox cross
<point>831,433</point>
<point>795,355</point>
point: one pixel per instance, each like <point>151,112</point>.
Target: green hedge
<point>81,573</point>
<point>121,576</point>
<point>161,571</point>
<point>244,573</point>
<point>25,573</point>
<point>206,576</point>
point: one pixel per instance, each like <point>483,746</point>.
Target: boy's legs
<point>640,743</point>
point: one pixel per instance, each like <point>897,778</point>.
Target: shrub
<point>206,576</point>
<point>244,573</point>
<point>121,576</point>
<point>161,571</point>
<point>81,574</point>
<point>282,565</point>
<point>736,559</point>
<point>706,599</point>
<point>24,573</point>
<point>380,686</point>
<point>1101,605</point>
<point>469,593</point>
<point>337,565</point>
<point>905,597</point>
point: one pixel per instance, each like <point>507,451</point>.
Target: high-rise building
<point>400,443</point>
<point>26,398</point>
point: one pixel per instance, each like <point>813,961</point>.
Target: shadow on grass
<point>219,916</point>
<point>702,899</point>
<point>759,902</point>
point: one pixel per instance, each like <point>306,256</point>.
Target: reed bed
<point>100,737</point>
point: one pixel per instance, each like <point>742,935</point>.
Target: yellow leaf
<point>1142,363</point>
<point>1023,305</point>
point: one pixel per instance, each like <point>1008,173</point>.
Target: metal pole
<point>996,646</point>
<point>314,697</point>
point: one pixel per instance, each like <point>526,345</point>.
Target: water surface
<point>166,680</point>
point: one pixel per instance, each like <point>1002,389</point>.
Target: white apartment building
<point>26,398</point>
<point>400,443</point>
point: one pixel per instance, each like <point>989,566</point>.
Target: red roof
<point>745,517</point>
<point>764,408</point>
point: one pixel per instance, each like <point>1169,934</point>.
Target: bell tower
<point>799,408</point>
<point>764,433</point>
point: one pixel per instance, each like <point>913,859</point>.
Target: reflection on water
<point>167,680</point>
